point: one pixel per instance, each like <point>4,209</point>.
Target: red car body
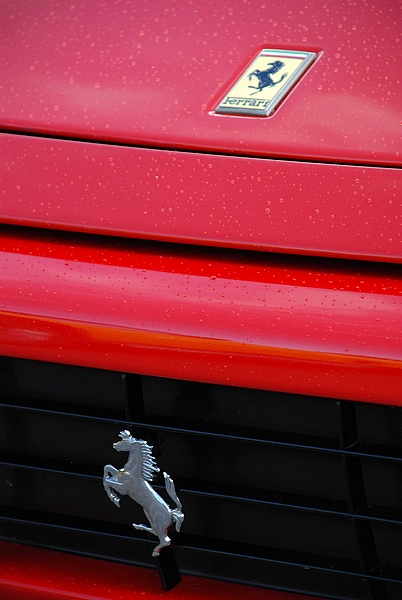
<point>144,232</point>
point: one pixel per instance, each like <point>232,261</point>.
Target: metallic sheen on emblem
<point>265,82</point>
<point>133,480</point>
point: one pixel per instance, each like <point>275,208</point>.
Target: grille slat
<point>270,497</point>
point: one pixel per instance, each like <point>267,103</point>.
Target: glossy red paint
<point>35,574</point>
<point>152,73</point>
<point>303,326</point>
<point>321,176</point>
<point>261,204</point>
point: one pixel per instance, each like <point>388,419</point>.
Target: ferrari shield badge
<point>265,82</point>
<point>134,480</point>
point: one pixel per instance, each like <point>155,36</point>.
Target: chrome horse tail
<point>176,513</point>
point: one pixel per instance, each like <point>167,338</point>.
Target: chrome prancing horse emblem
<point>133,480</point>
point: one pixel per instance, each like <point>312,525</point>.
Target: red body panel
<point>321,176</point>
<point>217,200</point>
<point>269,323</point>
<point>54,575</point>
<point>151,74</point>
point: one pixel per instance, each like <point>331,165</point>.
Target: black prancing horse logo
<point>264,77</point>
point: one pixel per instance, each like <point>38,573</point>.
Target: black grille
<point>283,491</point>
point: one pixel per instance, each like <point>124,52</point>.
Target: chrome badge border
<point>294,63</point>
